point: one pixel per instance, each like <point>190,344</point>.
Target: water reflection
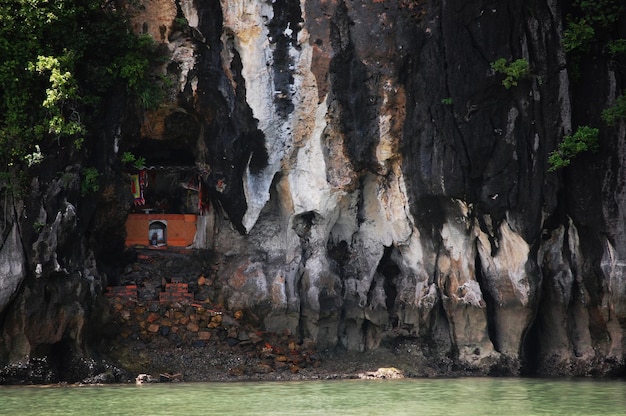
<point>469,396</point>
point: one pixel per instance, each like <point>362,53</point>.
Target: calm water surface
<point>466,396</point>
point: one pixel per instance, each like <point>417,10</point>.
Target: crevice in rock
<point>390,271</point>
<point>302,225</point>
<point>490,304</point>
<point>301,329</point>
<point>531,349</point>
<point>531,345</point>
<point>283,33</point>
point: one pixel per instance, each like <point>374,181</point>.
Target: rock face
<point>372,180</point>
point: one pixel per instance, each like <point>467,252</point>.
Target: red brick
<point>153,316</point>
<point>176,287</point>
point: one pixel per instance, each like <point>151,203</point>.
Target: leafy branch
<point>584,139</point>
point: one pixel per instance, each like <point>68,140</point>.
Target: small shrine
<point>168,203</point>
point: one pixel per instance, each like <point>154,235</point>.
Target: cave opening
<point>389,269</point>
<point>55,362</point>
<point>302,223</point>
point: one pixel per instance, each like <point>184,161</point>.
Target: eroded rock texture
<point>372,179</point>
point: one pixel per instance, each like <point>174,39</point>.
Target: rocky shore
<point>177,326</point>
<point>217,361</point>
<point>233,351</point>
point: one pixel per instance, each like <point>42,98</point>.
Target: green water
<point>468,396</point>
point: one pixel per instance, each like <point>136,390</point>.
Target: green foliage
<point>90,181</point>
<point>180,24</point>
<point>616,47</point>
<point>127,157</point>
<point>446,101</point>
<point>585,139</point>
<point>601,13</point>
<point>38,226</point>
<point>578,35</point>
<point>616,112</point>
<point>59,60</point>
<point>63,118</point>
<point>513,72</point>
<point>593,17</point>
<point>138,162</point>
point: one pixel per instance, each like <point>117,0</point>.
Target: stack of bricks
<point>176,291</point>
<point>128,292</point>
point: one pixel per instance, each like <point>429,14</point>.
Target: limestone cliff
<point>373,181</point>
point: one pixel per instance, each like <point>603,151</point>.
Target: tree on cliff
<point>58,60</point>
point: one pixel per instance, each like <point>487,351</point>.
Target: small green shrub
<point>585,139</point>
<point>38,226</point>
<point>180,24</point>
<point>90,181</point>
<point>616,112</point>
<point>513,72</point>
<point>138,162</point>
<point>127,157</point>
<point>616,47</point>
<point>446,101</point>
<point>578,35</point>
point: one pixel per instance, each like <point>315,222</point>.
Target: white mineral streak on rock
<point>190,12</point>
<point>613,309</point>
<point>510,125</point>
<point>12,266</point>
<point>461,294</point>
<point>385,224</point>
<point>417,293</point>
<point>246,21</point>
<point>505,270</point>
<point>310,190</point>
<point>304,189</point>
<point>51,237</point>
<point>505,275</point>
<point>183,49</point>
<point>581,343</point>
<point>183,52</point>
<point>614,258</point>
<point>384,205</point>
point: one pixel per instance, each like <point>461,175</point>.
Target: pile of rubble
<point>172,319</point>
